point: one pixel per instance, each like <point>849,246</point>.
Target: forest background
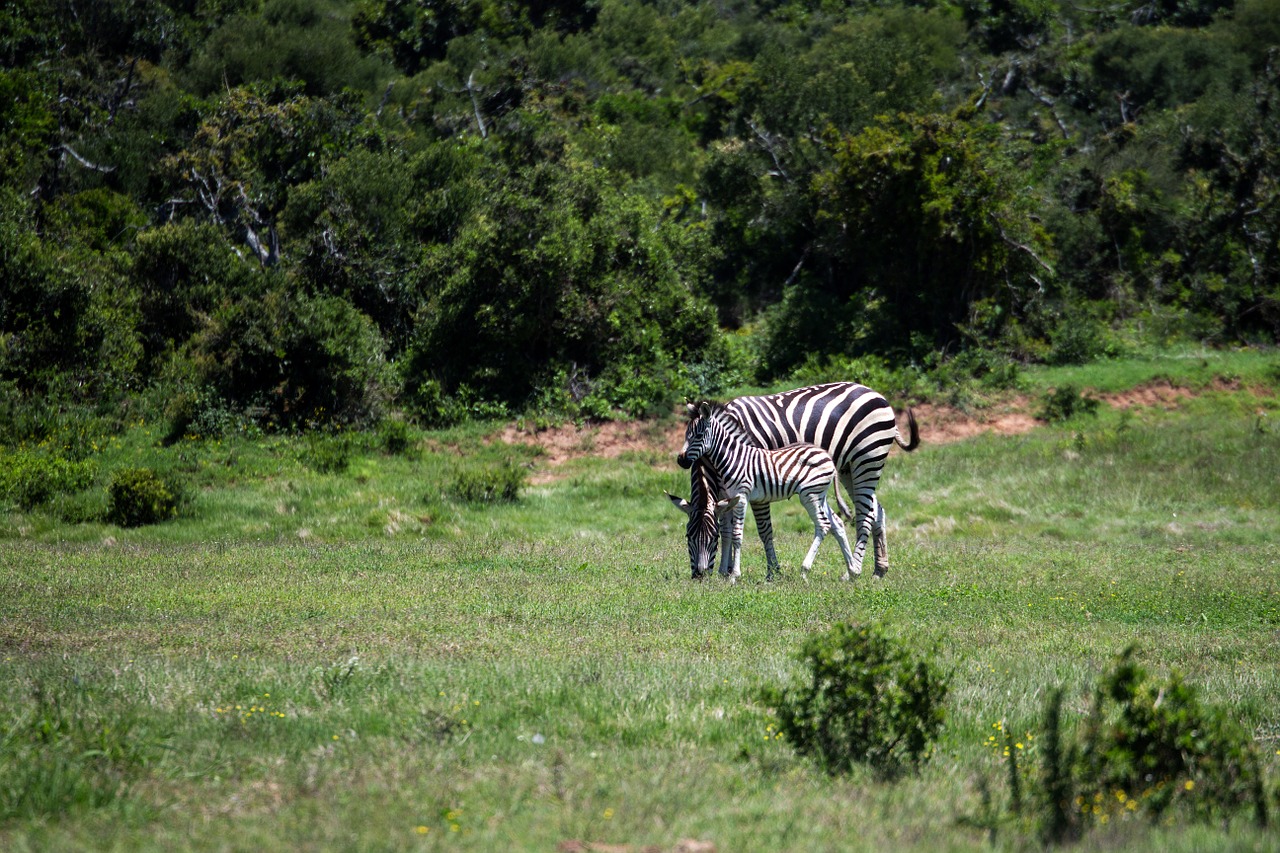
<point>285,215</point>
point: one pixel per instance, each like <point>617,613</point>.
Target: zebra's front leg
<point>736,508</point>
<point>764,527</point>
<point>725,520</point>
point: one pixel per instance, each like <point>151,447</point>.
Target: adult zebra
<point>759,476</point>
<point>854,424</point>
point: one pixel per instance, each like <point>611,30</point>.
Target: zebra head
<point>702,530</point>
<point>695,434</point>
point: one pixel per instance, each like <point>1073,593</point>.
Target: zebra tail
<point>914,441</point>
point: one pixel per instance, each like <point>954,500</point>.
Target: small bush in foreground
<point>1149,744</point>
<point>1148,748</point>
<point>867,701</point>
<point>138,496</point>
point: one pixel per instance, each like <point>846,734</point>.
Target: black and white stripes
<point>755,475</point>
<point>854,424</point>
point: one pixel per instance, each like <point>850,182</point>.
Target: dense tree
<point>307,212</point>
<point>561,283</point>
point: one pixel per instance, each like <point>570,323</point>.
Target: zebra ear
<point>727,504</point>
<point>704,409</point>
<point>679,503</point>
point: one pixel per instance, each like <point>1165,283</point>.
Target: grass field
<point>357,660</point>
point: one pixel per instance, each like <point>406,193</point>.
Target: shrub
<point>1155,743</point>
<point>867,701</point>
<point>31,478</point>
<point>1066,402</point>
<point>394,437</point>
<point>139,496</point>
<point>489,484</point>
<point>1146,747</point>
<point>328,453</point>
<point>293,359</point>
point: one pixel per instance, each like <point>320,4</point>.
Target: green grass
<point>356,659</point>
<point>1192,367</point>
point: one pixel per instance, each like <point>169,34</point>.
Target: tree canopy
<point>315,212</point>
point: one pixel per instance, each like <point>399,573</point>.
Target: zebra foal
<point>751,474</point>
<point>703,530</point>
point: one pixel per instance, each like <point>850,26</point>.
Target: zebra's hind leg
<point>880,538</point>
<point>837,527</point>
<point>816,504</point>
<point>865,514</point>
<point>863,496</point>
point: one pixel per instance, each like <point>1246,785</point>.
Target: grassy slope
<point>354,660</point>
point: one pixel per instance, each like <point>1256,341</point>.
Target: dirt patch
<point>1161,394</point>
<point>939,424</point>
<point>608,440</point>
<point>945,424</point>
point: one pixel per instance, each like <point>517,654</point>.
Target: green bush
<point>1066,402</point>
<point>1148,747</point>
<point>488,484</point>
<point>31,478</point>
<point>395,437</point>
<point>867,701</point>
<point>1155,743</point>
<point>138,496</point>
<point>289,359</point>
<point>328,453</point>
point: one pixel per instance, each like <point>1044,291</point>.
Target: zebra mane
<point>721,415</point>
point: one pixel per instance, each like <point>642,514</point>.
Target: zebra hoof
<point>880,572</point>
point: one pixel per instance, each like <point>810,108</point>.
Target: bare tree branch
<point>770,145</point>
<point>475,105</point>
<point>82,161</point>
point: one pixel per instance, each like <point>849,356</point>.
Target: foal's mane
<point>719,413</point>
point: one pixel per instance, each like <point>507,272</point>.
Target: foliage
<point>560,273</point>
<point>1146,747</point>
<point>395,437</point>
<point>1155,741</point>
<point>139,496</point>
<point>489,483</point>
<point>948,189</point>
<point>291,359</point>
<point>867,700</point>
<point>329,452</point>
<point>30,478</point>
<point>554,205</point>
<point>1065,402</point>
